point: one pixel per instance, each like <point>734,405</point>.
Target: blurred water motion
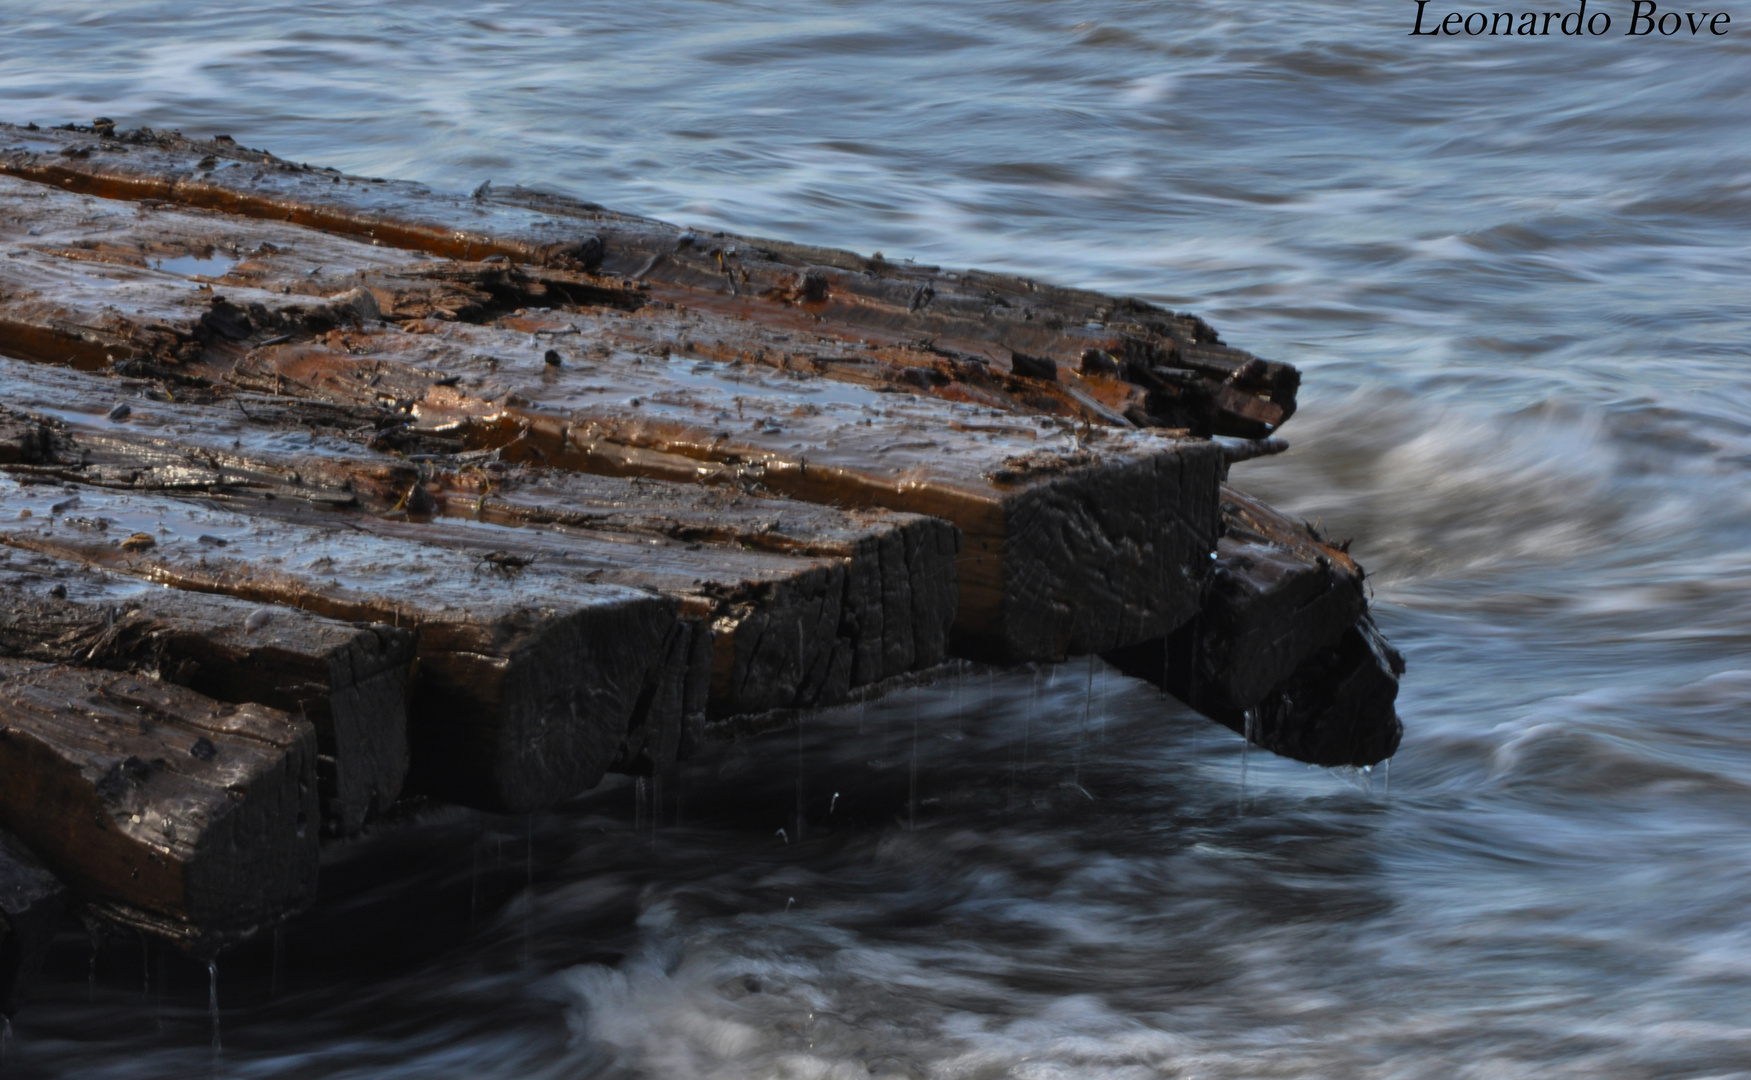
<point>1514,274</point>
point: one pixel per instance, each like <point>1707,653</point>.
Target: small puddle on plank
<point>191,266</point>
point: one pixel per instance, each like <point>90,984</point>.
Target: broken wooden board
<point>1279,595</point>
<point>1075,538</point>
<point>899,569</point>
<point>1093,347</point>
<point>31,903</point>
<point>528,681</point>
<point>202,816</point>
<point>349,681</point>
<point>1278,652</point>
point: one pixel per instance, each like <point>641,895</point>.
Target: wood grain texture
<point>350,681</point>
<point>527,681</point>
<point>1120,359</point>
<point>153,797</point>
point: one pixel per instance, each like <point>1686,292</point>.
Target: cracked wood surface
<point>349,681</point>
<point>528,681</point>
<point>1063,546</point>
<point>801,611</point>
<point>159,800</point>
<point>1122,360</point>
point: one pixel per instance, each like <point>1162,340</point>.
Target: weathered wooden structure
<point>316,488</point>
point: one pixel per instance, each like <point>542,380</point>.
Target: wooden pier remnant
<point>318,488</point>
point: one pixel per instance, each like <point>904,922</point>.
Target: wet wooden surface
<point>350,681</point>
<point>735,560</point>
<point>1090,354</point>
<point>1283,651</point>
<point>31,903</point>
<point>529,677</point>
<point>1078,534</point>
<point>202,817</point>
<point>609,484</point>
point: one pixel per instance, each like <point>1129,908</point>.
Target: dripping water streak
<point>279,962</point>
<point>213,1005</point>
<point>912,777</point>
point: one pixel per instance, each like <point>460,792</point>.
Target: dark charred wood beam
<point>200,816</point>
<point>1283,651</point>
<point>349,681</point>
<point>529,677</point>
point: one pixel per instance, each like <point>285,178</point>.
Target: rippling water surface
<point>1515,274</point>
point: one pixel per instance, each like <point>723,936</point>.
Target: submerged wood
<point>1076,537</point>
<point>349,681</point>
<point>1121,358</point>
<point>528,681</point>
<point>200,817</point>
<point>31,902</point>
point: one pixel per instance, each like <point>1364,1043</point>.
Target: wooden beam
<point>899,569</point>
<point>348,680</point>
<point>529,679</point>
<point>31,903</point>
<point>155,798</point>
<point>1024,329</point>
<point>1076,538</point>
<point>1283,651</point>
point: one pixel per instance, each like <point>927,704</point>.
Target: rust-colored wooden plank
<point>1072,344</point>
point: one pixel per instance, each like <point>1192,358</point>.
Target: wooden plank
<point>900,568</point>
<point>1086,343</point>
<point>31,903</point>
<point>154,798</point>
<point>1280,594</point>
<point>1283,651</point>
<point>1075,538</point>
<point>528,680</point>
<point>349,681</point>
<point>791,630</point>
<point>899,580</point>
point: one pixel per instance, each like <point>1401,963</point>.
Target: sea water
<point>1514,273</point>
